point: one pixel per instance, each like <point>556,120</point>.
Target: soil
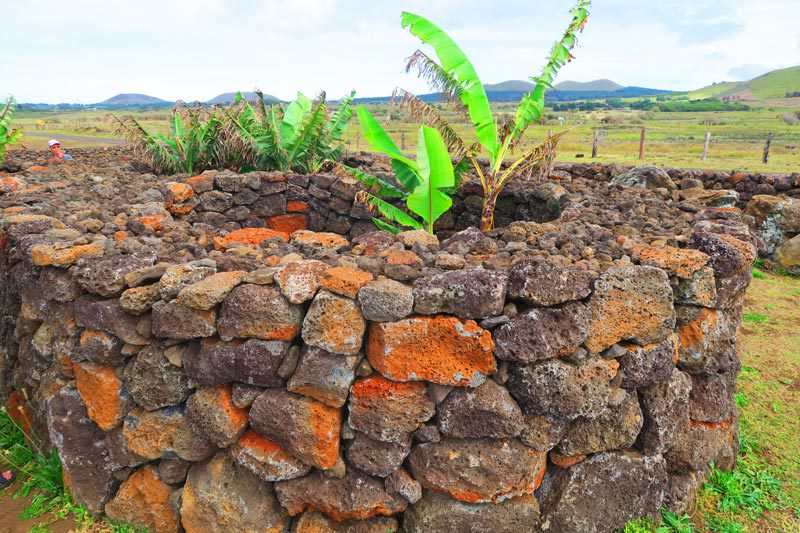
<point>10,509</point>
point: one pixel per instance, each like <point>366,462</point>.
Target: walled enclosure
<point>233,352</point>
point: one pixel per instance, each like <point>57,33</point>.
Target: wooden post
<point>766,148</point>
<point>549,133</point>
<point>358,138</point>
<point>642,140</point>
<point>705,145</point>
<point>595,143</point>
<point>402,140</point>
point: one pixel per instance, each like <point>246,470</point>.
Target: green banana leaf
<point>392,213</point>
<point>454,60</point>
<point>436,171</point>
<point>407,170</point>
<point>292,118</point>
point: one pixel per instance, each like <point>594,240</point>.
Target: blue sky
<point>88,50</point>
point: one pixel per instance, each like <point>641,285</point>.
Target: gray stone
<point>255,362</point>
<point>324,376</point>
<point>485,411</point>
<point>105,315</point>
<point>81,448</point>
<point>582,498</point>
<point>175,321</point>
<point>543,333</point>
<point>465,293</point>
<point>641,366</point>
<point>376,457</point>
<point>616,428</point>
<point>561,389</point>
<point>385,300</point>
<point>219,497</point>
<point>153,381</point>
<point>543,282</point>
<point>438,513</point>
<point>106,275</point>
<point>260,312</point>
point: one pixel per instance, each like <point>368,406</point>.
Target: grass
<point>673,138</point>
<point>754,317</point>
<point>41,483</point>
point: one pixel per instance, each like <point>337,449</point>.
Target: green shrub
<point>301,137</point>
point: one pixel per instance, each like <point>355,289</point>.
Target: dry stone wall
<point>203,373</point>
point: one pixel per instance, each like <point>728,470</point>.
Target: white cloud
<point>195,49</point>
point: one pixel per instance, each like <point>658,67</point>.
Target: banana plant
<point>422,184</point>
<point>8,136</point>
<point>192,146</point>
<point>455,77</point>
<point>301,137</point>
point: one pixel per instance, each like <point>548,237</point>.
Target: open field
<point>673,138</point>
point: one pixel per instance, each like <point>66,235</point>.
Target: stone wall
<point>197,374</point>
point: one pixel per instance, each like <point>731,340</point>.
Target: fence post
<point>705,145</point>
<point>642,140</point>
<point>402,140</point>
<point>595,143</point>
<point>358,138</point>
<point>766,148</point>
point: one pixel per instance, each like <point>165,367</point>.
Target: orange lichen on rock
<point>736,177</point>
<point>675,261</point>
<point>565,461</point>
<point>287,224</point>
<point>10,184</point>
<point>154,222</point>
<point>374,390</point>
<point>256,445</point>
<point>38,168</point>
<point>23,218</point>
<point>143,500</point>
<point>692,334</point>
<point>178,193</point>
<point>403,257</point>
<point>345,281</point>
<point>202,183</point>
<point>296,206</point>
<point>440,349</point>
<point>319,239</point>
<point>52,255</point>
<point>712,425</point>
<point>20,412</point>
<point>248,236</point>
<point>101,391</point>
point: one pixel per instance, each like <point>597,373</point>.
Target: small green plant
<point>758,274</point>
<point>749,487</point>
<point>301,137</point>
<point>754,317</point>
<point>642,525</point>
<point>192,146</point>
<point>672,523</point>
<point>741,399</point>
<point>422,184</point>
<point>8,136</point>
<point>455,77</point>
<point>38,471</point>
<point>720,525</point>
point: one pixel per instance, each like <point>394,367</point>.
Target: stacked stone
<point>204,357</point>
<point>311,383</point>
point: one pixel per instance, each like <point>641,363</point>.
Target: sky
<point>85,51</point>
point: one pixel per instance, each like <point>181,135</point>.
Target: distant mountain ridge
<point>775,84</point>
<point>133,99</point>
<point>227,98</point>
<point>596,85</point>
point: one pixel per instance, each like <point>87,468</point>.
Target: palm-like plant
<point>8,136</point>
<point>192,146</point>
<point>455,77</point>
<point>422,184</point>
<point>301,137</point>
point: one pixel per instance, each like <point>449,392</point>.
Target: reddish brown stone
<point>212,413</point>
<point>266,458</point>
<point>387,410</point>
<point>307,429</point>
<point>296,206</point>
<point>441,349</point>
<point>299,281</point>
<point>143,501</point>
<point>248,236</point>
<point>334,324</point>
<point>287,224</point>
<point>345,281</point>
<point>106,402</point>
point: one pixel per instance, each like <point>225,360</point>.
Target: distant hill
<point>596,85</point>
<point>133,99</point>
<point>227,98</point>
<point>775,84</point>
<point>510,85</point>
